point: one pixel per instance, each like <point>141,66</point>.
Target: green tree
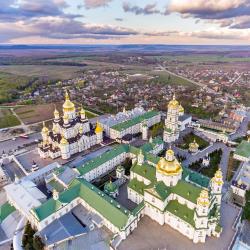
<point>246,209</point>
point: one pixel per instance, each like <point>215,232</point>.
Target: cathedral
<point>187,201</point>
<point>171,129</point>
<point>71,133</point>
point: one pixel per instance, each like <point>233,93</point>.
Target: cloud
<point>146,10</point>
<point>62,28</point>
<point>209,9</point>
<point>92,4</point>
<point>226,34</point>
<point>162,33</point>
<point>13,10</point>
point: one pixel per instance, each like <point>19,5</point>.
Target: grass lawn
<point>167,78</point>
<point>7,119</point>
<point>190,138</point>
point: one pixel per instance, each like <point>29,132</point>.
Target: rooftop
<point>129,123</point>
<point>243,149</point>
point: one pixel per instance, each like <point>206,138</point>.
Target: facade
<point>188,203</point>
<point>214,135</point>
<point>172,128</point>
<point>241,184</point>
<point>130,123</point>
<point>71,133</point>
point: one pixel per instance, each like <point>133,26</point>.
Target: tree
<point>38,243</point>
<point>246,209</point>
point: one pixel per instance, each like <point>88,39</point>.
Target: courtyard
<point>150,235</point>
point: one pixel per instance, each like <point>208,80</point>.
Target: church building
<point>71,133</point>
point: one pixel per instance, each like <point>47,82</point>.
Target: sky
<point>125,22</point>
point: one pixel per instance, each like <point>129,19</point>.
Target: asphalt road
<point>11,145</point>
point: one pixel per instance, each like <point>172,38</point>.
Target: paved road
<point>11,145</point>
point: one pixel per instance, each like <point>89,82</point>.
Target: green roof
<point>127,124</point>
<point>187,190</point>
<point>243,149</point>
<point>102,203</point>
<point>181,211</point>
<point>147,147</point>
<point>99,160</point>
<point>195,177</point>
<point>5,210</point>
<point>56,185</point>
<point>110,187</point>
<point>47,208</point>
<point>159,190</point>
<point>145,170</point>
<point>137,186</point>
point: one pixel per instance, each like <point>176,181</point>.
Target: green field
<point>7,119</point>
<point>50,71</point>
<point>202,58</point>
<point>167,78</point>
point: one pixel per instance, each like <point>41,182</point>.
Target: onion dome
<point>170,165</point>
<point>174,104</point>
<point>203,199</point>
<point>181,109</point>
<point>64,141</point>
<point>45,130</point>
<point>110,187</point>
<point>98,128</point>
<point>218,178</point>
<point>193,145</point>
<point>68,106</point>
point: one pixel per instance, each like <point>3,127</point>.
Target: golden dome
<point>193,145</point>
<point>45,129</point>
<point>203,199</point>
<point>170,152</point>
<point>169,167</point>
<point>173,103</point>
<point>98,128</point>
<point>218,178</point>
<point>68,106</point>
<point>181,109</point>
<point>64,141</point>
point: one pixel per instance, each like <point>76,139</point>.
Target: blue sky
<point>125,21</point>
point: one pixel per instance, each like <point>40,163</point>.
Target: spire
<point>174,97</point>
<point>66,95</point>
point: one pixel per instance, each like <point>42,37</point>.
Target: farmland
<point>7,119</point>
